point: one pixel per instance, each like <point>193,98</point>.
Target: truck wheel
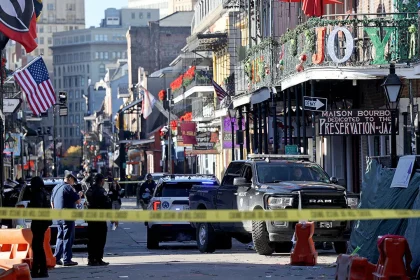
<point>152,239</point>
<point>340,247</point>
<point>261,240</point>
<point>224,242</point>
<point>206,238</point>
<point>283,247</point>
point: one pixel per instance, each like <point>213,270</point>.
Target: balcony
<point>190,84</point>
<point>358,42</point>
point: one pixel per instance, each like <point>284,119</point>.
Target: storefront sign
<point>204,142</point>
<point>355,122</point>
<point>188,132</point>
<point>227,131</point>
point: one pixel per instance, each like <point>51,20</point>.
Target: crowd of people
<point>65,196</point>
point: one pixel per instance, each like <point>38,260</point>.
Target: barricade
<point>304,252</point>
<point>15,247</point>
<point>394,259</point>
<point>51,261</point>
<point>353,267</point>
<point>17,272</point>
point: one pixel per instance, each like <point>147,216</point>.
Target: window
<point>97,55</point>
<point>82,79</point>
<point>41,29</point>
<point>77,94</point>
<point>169,189</point>
<point>76,108</point>
<point>41,51</point>
<point>133,15</point>
<point>59,83</point>
<point>87,68</point>
<point>101,37</point>
<point>50,7</point>
<point>102,68</point>
<point>71,96</point>
<point>77,121</point>
<point>140,15</point>
<point>105,37</point>
<point>50,40</point>
<point>101,55</point>
<point>269,173</point>
<point>106,55</point>
<point>118,54</point>
<point>76,83</point>
<point>59,71</point>
<point>149,15</point>
<point>96,37</point>
<point>234,170</point>
<point>49,28</point>
<point>114,55</point>
<point>124,55</point>
<point>41,40</point>
<point>70,107</point>
<point>71,119</point>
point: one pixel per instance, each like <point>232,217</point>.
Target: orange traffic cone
<point>304,252</point>
<point>360,269</point>
<point>51,261</point>
<point>394,259</point>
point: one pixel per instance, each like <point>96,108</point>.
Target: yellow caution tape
<point>292,215</point>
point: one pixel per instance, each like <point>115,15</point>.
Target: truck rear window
<point>176,189</point>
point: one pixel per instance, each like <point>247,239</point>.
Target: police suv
<point>50,183</point>
<point>171,193</point>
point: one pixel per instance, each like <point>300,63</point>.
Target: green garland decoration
<point>261,68</point>
<point>310,37</point>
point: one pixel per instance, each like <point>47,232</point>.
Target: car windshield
<point>274,172</point>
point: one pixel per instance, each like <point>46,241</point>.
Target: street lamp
<point>232,116</point>
<point>10,142</point>
<point>393,88</point>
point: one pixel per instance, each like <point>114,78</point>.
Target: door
<point>226,194</point>
<point>243,193</point>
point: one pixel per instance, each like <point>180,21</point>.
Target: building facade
<point>162,5</point>
<point>181,5</point>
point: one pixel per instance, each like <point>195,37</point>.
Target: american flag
<point>221,93</point>
<point>35,82</point>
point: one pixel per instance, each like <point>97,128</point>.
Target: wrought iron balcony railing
<point>353,41</point>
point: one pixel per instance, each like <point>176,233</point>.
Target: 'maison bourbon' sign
<point>355,122</point>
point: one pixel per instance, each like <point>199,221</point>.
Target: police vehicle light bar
<point>269,156</point>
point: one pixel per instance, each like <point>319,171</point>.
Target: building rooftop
<point>177,19</point>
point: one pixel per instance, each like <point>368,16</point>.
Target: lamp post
<point>232,114</point>
<point>393,88</point>
<point>10,142</point>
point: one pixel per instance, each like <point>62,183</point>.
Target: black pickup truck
<point>271,182</point>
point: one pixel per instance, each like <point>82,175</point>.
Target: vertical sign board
<point>355,122</point>
<point>403,172</point>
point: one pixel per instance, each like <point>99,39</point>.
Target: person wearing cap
<point>97,198</point>
<point>64,196</point>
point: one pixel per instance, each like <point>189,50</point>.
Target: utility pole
<point>55,142</point>
<point>169,96</point>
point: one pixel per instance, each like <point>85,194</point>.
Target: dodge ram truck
<point>271,183</point>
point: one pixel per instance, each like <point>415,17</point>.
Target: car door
<point>242,193</point>
<point>226,194</point>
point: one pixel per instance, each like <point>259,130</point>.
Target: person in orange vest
<point>39,199</point>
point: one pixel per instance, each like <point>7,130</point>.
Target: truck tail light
<point>20,206</point>
<point>156,205</point>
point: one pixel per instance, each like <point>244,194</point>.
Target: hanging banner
<point>206,141</point>
<point>188,132</point>
<point>227,132</point>
<point>356,122</point>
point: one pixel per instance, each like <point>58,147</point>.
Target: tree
<point>72,158</point>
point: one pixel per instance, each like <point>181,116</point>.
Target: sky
<point>95,9</point>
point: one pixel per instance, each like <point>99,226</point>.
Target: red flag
<point>18,22</point>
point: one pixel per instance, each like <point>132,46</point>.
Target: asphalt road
<point>130,259</point>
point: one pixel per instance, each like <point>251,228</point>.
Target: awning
<point>347,73</point>
<point>260,95</point>
<point>242,100</point>
<point>208,42</point>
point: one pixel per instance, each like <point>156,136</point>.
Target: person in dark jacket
<point>97,198</point>
<point>146,191</point>
<point>39,199</point>
<point>115,195</point>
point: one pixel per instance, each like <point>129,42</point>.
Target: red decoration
<point>187,117</point>
<point>162,95</point>
<point>177,83</point>
<point>303,58</point>
<point>174,125</point>
<point>313,8</point>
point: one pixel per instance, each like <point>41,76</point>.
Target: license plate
<point>325,224</point>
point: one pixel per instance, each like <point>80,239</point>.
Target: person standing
<point>146,191</point>
<point>39,199</point>
<point>64,196</point>
<point>97,198</point>
<point>115,195</point>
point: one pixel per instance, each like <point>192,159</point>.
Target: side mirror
<point>334,180</point>
<point>240,181</point>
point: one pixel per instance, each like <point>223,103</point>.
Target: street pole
<point>393,139</point>
<point>1,134</point>
<point>21,154</point>
<point>54,139</point>
<point>12,164</point>
<point>45,157</point>
<point>232,124</point>
<point>313,124</point>
<point>169,94</point>
<point>81,159</point>
<point>241,132</point>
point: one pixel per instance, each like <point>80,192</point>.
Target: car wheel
<point>283,247</point>
<point>340,247</point>
<point>224,242</point>
<point>262,243</point>
<point>152,239</point>
<point>206,238</point>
